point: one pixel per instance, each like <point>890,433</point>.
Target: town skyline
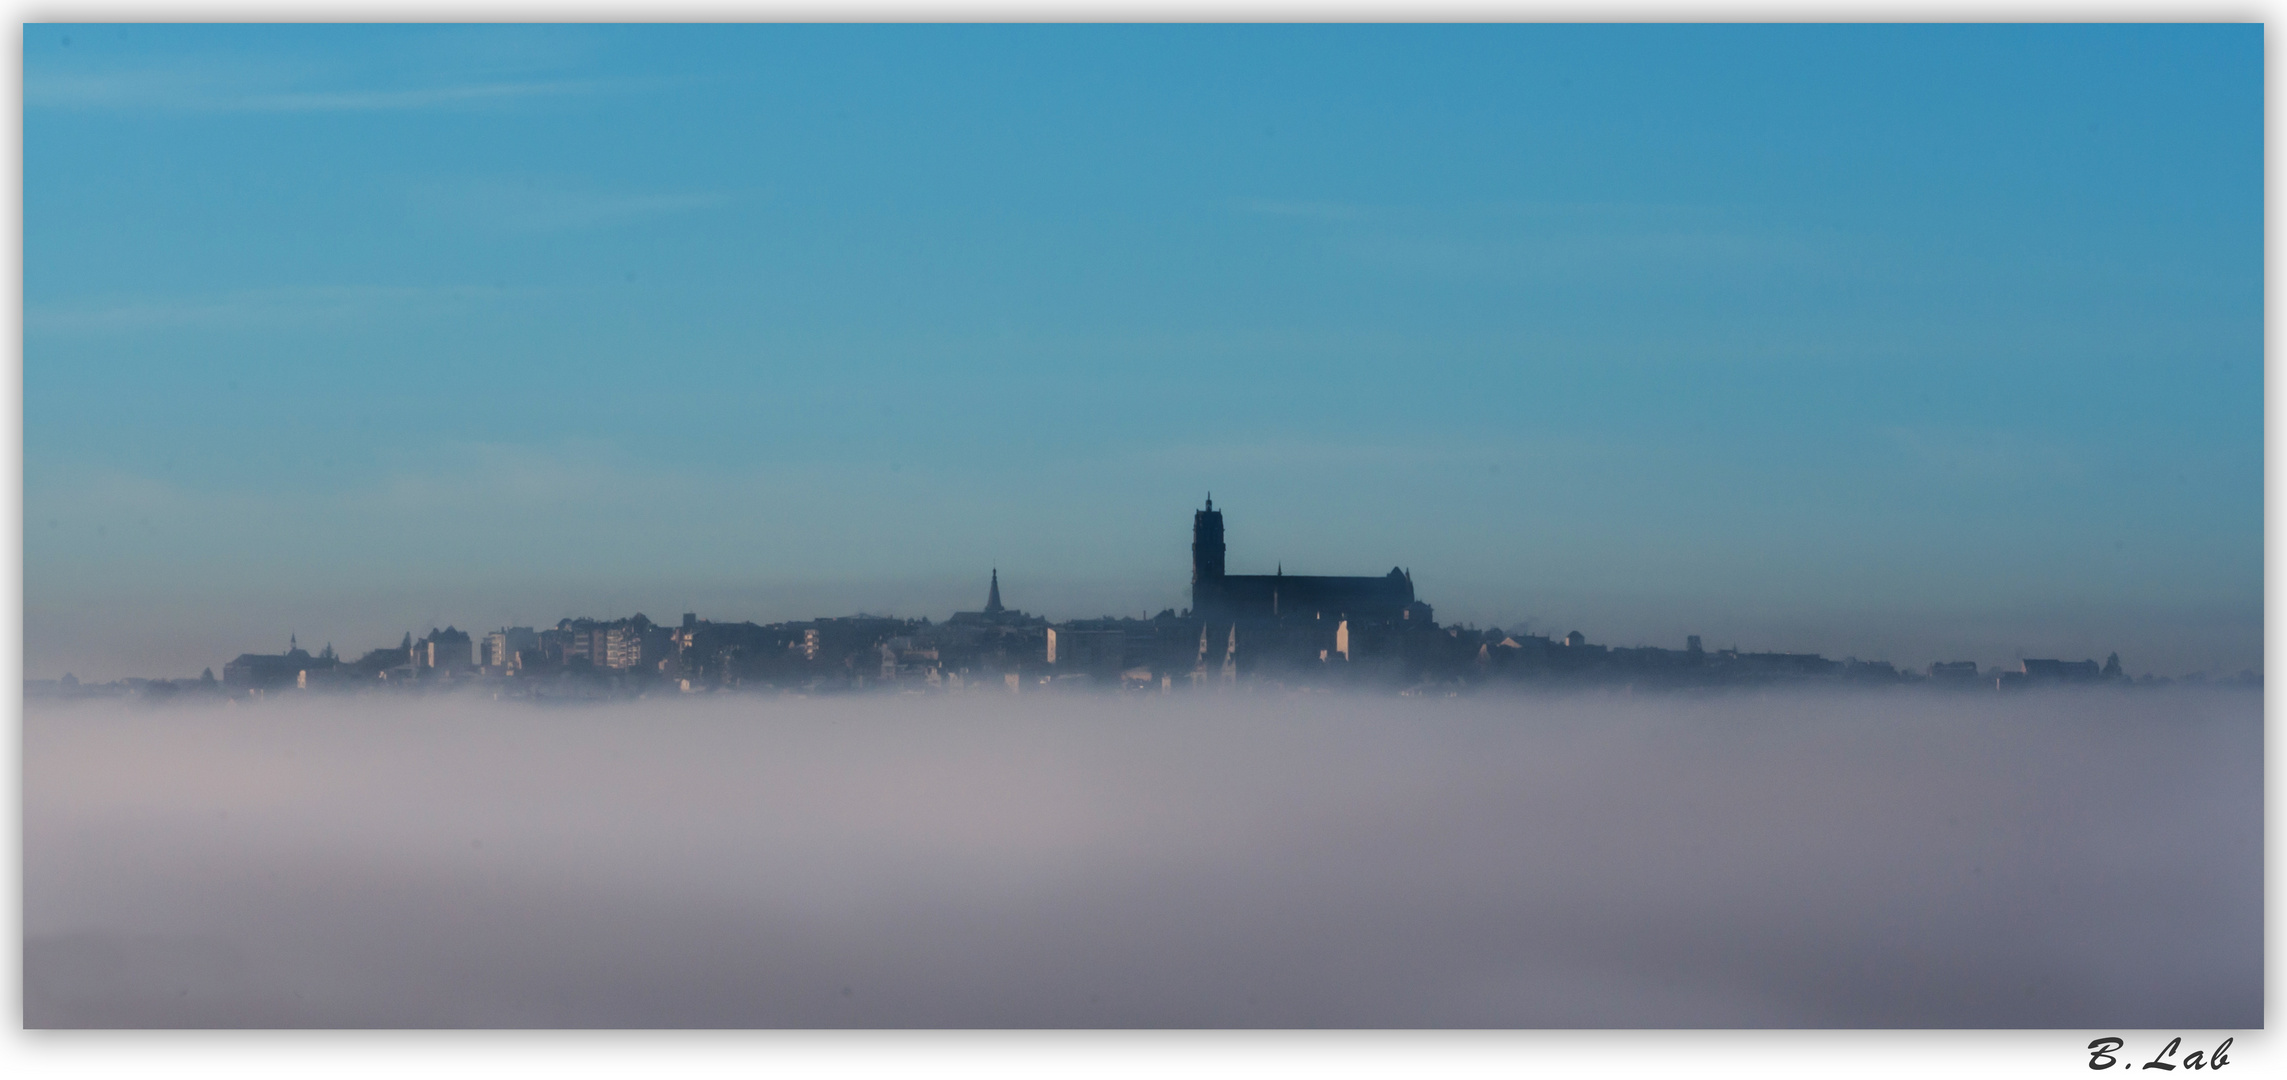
<point>1279,630</point>
<point>1920,649</point>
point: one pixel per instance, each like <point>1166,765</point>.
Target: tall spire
<point>993,600</point>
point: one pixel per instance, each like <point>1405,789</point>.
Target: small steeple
<point>993,599</point>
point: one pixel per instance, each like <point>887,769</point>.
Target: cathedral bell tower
<point>1206,559</point>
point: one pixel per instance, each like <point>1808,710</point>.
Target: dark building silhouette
<point>1216,595</point>
<point>991,644</point>
<point>508,646</point>
<point>445,650</point>
<point>259,671</point>
<point>2060,671</point>
<point>996,613</point>
<point>1206,556</point>
<point>1955,672</point>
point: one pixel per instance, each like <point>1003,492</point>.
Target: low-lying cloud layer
<point>1871,860</point>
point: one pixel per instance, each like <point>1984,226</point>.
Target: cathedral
<point>1218,596</point>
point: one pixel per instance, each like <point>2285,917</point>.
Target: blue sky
<point>1914,343</point>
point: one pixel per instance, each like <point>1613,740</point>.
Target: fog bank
<point>1872,860</point>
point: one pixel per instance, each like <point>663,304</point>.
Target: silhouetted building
<point>995,614</point>
<point>259,671</point>
<point>1217,595</point>
<point>1071,649</point>
<point>2060,671</point>
<point>446,650</point>
<point>509,646</point>
<point>618,645</point>
<point>1955,672</point>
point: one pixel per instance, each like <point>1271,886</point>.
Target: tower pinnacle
<point>993,600</point>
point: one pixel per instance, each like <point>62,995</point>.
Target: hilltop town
<point>1264,630</point>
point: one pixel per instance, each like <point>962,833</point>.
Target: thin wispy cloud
<point>1319,210</point>
<point>1615,253</point>
<point>418,98</point>
<point>195,91</point>
<point>1296,453</point>
<point>541,206</point>
<point>251,308</point>
<point>1993,456</point>
<point>1608,213</point>
<point>1550,239</point>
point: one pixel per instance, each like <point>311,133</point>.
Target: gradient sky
<point>1907,343</point>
